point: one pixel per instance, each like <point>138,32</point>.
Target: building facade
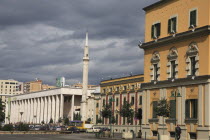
<point>116,92</point>
<point>177,68</point>
<point>10,87</point>
<point>38,107</point>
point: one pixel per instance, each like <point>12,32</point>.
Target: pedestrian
<point>178,132</point>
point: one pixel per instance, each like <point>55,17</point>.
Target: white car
<point>89,130</point>
<point>96,129</point>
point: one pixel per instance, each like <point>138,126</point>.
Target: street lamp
<point>34,119</point>
<point>21,113</point>
<point>175,94</point>
<point>110,101</point>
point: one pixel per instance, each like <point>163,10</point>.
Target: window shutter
<point>140,100</point>
<point>187,109</point>
<point>172,109</point>
<point>195,109</point>
<point>152,31</point>
<point>174,24</point>
<point>169,26</point>
<point>154,115</point>
<point>158,29</point>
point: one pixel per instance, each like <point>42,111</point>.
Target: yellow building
<point>176,62</point>
<point>33,86</point>
<point>121,90</point>
<point>10,87</point>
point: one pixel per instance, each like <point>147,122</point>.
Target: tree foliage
<point>51,120</point>
<point>126,111</point>
<point>138,114</point>
<point>7,127</point>
<point>106,111</point>
<point>162,108</point>
<point>66,121</point>
<point>2,114</point>
<point>23,127</point>
<point>77,116</point>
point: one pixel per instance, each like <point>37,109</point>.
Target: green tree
<point>162,108</point>
<point>42,122</point>
<point>2,114</point>
<point>66,121</point>
<point>59,120</point>
<point>106,112</point>
<point>89,119</point>
<point>127,112</point>
<point>51,120</point>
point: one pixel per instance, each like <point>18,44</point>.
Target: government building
<point>177,68</point>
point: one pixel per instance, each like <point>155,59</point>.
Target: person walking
<point>178,132</point>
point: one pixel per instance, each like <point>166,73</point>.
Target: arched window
<point>192,60</point>
<point>172,65</point>
<point>155,67</point>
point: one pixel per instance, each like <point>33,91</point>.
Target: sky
<point>45,39</point>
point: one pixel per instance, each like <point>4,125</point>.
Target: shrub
<point>7,127</point>
<point>23,127</point>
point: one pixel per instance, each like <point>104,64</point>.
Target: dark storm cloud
<point>45,38</point>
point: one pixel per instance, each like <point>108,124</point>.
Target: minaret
<point>83,110</point>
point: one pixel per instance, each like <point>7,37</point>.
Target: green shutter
<point>158,28</point>
<point>140,100</point>
<point>174,24</point>
<point>187,109</point>
<point>152,31</point>
<point>195,107</point>
<point>154,115</point>
<point>169,26</point>
<point>172,109</point>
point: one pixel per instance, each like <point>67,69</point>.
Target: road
<point>82,136</point>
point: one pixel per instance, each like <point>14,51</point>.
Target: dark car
<point>74,130</point>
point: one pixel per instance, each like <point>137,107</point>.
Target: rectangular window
<point>117,101</point>
<point>117,89</point>
<point>124,100</point>
<point>132,87</point>
<point>97,105</point>
<point>117,119</point>
<point>193,18</point>
<point>132,100</point>
<point>172,109</point>
<point>103,102</point>
<point>154,115</point>
<point>104,90</point>
<point>155,72</point>
<point>125,87</point>
<point>140,100</point>
<point>96,119</point>
<point>155,31</point>
<point>191,108</point>
<point>193,63</point>
<point>172,24</point>
<point>173,71</point>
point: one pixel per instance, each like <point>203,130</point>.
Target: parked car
<point>37,127</point>
<point>60,128</point>
<point>74,130</point>
<point>96,129</point>
<point>105,129</point>
<point>89,130</point>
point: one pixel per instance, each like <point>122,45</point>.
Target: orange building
<point>176,62</point>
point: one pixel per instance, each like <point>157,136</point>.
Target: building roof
<point>161,2</point>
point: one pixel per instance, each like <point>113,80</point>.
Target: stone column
<point>42,109</point>
<point>207,105</point>
<point>72,107</point>
<point>25,111</point>
<point>35,110</point>
<point>179,108</point>
<point>49,108</point>
<point>57,108</point>
<point>32,110</point>
<point>16,112</point>
<point>183,98</point>
<point>61,105</point>
<point>38,111</point>
<point>144,101</point>
<point>45,110</point>
<point>53,109</point>
<point>28,110</point>
<point>200,105</point>
<point>148,107</point>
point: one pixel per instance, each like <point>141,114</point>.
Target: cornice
<point>141,79</point>
<point>202,31</point>
<point>161,2</point>
<point>176,82</point>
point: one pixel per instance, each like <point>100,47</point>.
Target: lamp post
<point>34,119</point>
<point>21,113</point>
<point>110,101</point>
<point>175,94</point>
